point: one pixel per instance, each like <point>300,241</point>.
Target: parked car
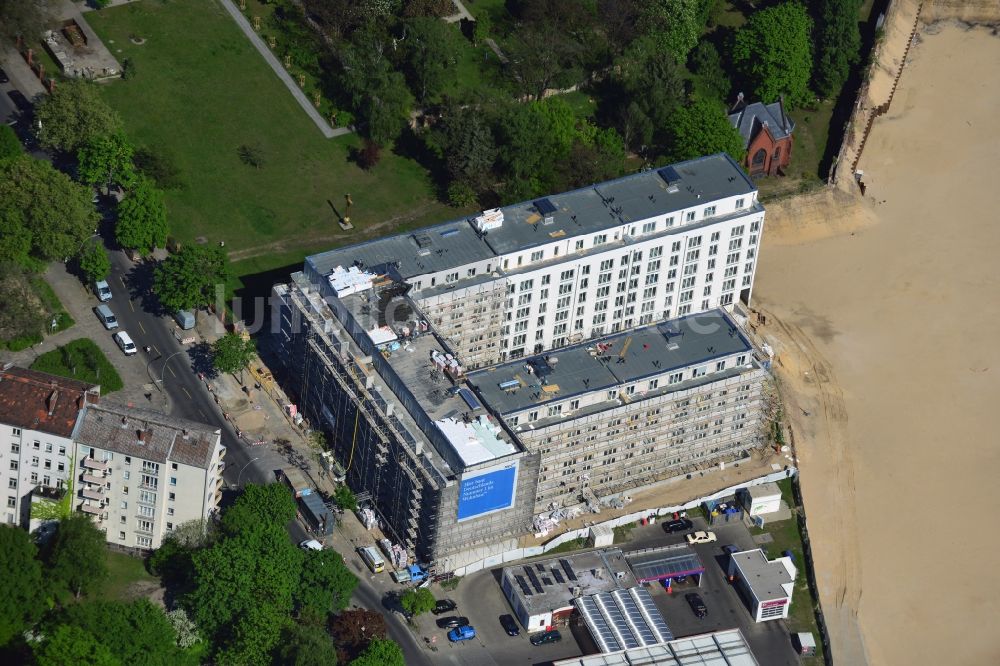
<point>546,637</point>
<point>452,622</point>
<point>680,525</point>
<point>124,342</point>
<point>3,77</point>
<point>730,549</point>
<point>463,633</point>
<point>509,625</point>
<point>701,537</point>
<point>444,606</point>
<point>102,290</point>
<point>696,604</point>
<point>106,316</point>
<point>311,544</point>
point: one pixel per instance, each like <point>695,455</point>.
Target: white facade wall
<point>146,500</point>
<point>652,270</point>
<point>28,459</point>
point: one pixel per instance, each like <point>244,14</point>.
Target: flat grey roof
<point>611,361</point>
<point>587,210</point>
<point>764,577</point>
<point>427,250</point>
<point>549,585</point>
<point>628,199</point>
<point>719,648</point>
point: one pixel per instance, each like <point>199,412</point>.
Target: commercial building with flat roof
<point>495,360</point>
<point>542,593</point>
<point>766,586</point>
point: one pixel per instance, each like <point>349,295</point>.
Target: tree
<point>136,633</point>
<point>345,498</point>
<point>244,586</point>
<point>773,52</point>
<point>543,54</point>
<point>232,352</point>
<point>354,629</point>
<point>142,218</point>
<point>10,145</point>
<point>702,128</point>
<point>381,100</point>
<point>430,48</point>
<point>107,159</point>
<point>94,262</point>
<point>838,43</point>
<point>465,142</point>
<point>72,645</point>
<point>23,600</point>
<point>184,628</point>
<point>76,555</point>
<point>417,601</point>
<point>675,25</point>
<point>706,63</point>
<point>73,115</point>
<point>326,585</point>
<point>159,167</point>
<point>18,18</point>
<point>259,505</point>
<point>597,155</point>
<point>43,213</point>
<point>306,645</point>
<point>380,652</point>
<point>187,280</point>
<point>251,155</point>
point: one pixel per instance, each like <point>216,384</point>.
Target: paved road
<point>285,77</point>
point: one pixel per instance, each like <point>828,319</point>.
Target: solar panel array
<point>568,568</point>
<point>623,619</point>
<point>534,579</point>
<point>558,576</point>
<point>525,590</point>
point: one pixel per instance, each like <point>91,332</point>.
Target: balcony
<point>222,452</point>
<point>90,463</point>
<point>92,510</point>
<point>222,467</point>
<point>94,480</point>
<point>92,494</point>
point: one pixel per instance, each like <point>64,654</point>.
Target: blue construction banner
<point>486,491</point>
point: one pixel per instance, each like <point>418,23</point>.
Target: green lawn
<point>123,570</point>
<point>52,305</point>
<point>786,537</point>
<point>81,360</point>
<point>200,92</point>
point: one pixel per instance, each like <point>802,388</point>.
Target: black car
<point>444,606</point>
<point>509,625</point>
<point>546,637</point>
<point>20,101</point>
<point>452,621</point>
<point>696,604</point>
<point>3,77</point>
<point>680,525</point>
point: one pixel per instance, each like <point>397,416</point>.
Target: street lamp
<point>163,369</point>
<point>240,475</point>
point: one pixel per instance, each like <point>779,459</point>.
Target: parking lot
<point>480,598</point>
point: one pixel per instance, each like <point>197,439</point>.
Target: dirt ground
<point>884,316</point>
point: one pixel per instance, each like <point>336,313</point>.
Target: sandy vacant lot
<point>886,319</point>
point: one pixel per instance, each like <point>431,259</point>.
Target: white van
<point>125,343</point>
<point>102,290</point>
<point>106,316</point>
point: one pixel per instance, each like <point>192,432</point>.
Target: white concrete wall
<point>52,452</point>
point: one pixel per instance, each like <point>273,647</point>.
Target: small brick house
<point>767,135</point>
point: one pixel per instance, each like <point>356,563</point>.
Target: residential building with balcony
<point>140,474</point>
<point>38,414</point>
<point>562,351</point>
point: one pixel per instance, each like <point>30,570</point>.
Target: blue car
<point>464,633</point>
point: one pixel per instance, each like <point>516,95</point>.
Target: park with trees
<point>238,590</point>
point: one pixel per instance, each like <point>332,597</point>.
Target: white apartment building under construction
<point>544,354</point>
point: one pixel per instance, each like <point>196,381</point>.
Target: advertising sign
<point>486,491</point>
